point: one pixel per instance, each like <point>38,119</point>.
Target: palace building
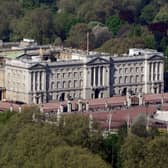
<point>75,74</point>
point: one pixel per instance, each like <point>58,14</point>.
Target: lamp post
<point>147,116</point>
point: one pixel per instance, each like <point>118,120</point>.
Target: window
<point>58,85</point>
<point>75,83</point>
<point>64,75</point>
<point>142,78</point>
<point>131,69</point>
<point>131,79</point>
<point>81,83</point>
<point>69,84</point>
<point>125,79</point>
<point>137,69</point>
<point>120,70</point>
<point>52,85</point>
<point>136,78</point>
<point>64,84</point>
<point>81,73</point>
<point>69,74</point>
<point>75,74</point>
<point>142,69</point>
<point>58,75</point>
<point>120,79</point>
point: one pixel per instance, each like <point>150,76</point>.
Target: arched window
<point>58,85</point>
<point>81,83</point>
<point>69,84</point>
<point>52,85</point>
<point>120,79</point>
<point>75,83</point>
<point>125,79</point>
<point>131,79</point>
<point>136,78</point>
<point>64,84</point>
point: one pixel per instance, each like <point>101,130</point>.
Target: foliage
<point>155,146</point>
<point>24,143</point>
<point>162,15</point>
<point>114,24</point>
<point>133,152</point>
<point>78,36</point>
<point>52,21</point>
<point>72,157</point>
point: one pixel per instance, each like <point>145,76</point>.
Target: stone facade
<point>34,80</point>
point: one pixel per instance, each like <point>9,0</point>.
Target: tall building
<point>37,79</point>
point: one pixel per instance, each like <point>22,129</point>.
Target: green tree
<point>72,157</point>
<point>139,126</point>
<point>114,24</point>
<point>133,152</point>
<point>157,146</point>
<point>38,25</point>
<point>162,15</point>
<point>148,13</point>
<point>78,36</point>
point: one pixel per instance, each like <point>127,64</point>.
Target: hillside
<point>114,25</point>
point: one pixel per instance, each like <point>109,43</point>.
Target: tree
<point>114,24</point>
<point>63,23</point>
<point>139,126</point>
<point>159,145</point>
<point>133,152</point>
<point>72,157</point>
<point>101,34</point>
<point>37,24</point>
<point>148,13</point>
<point>9,10</point>
<point>162,15</point>
<point>78,36</point>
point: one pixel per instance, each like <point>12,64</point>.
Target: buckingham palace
<point>80,75</point>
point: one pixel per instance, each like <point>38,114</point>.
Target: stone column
<point>79,105</point>
<point>146,75</point>
<point>161,71</point>
<point>104,76</point>
<point>34,81</point>
<point>156,71</point>
<point>151,72</point>
<point>94,81</point>
<point>87,106</point>
<point>99,76</point>
<point>69,107</point>
<point>38,81</point>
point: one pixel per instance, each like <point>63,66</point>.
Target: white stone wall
<point>92,77</point>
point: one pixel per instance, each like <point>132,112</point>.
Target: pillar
<point>94,76</point>
<point>87,106</point>
<point>20,109</point>
<point>99,76</point>
<point>140,99</point>
<point>151,72</point>
<point>90,121</point>
<point>79,105</point>
<point>69,107</point>
<point>58,116</point>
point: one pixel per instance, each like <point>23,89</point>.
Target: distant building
<point>38,79</point>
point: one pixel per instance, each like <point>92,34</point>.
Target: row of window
<point>130,79</point>
<point>131,69</point>
<point>68,75</point>
<point>65,84</point>
<point>130,64</point>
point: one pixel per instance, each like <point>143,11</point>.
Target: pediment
<point>23,56</point>
<point>98,60</point>
<point>156,57</point>
<point>37,66</point>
